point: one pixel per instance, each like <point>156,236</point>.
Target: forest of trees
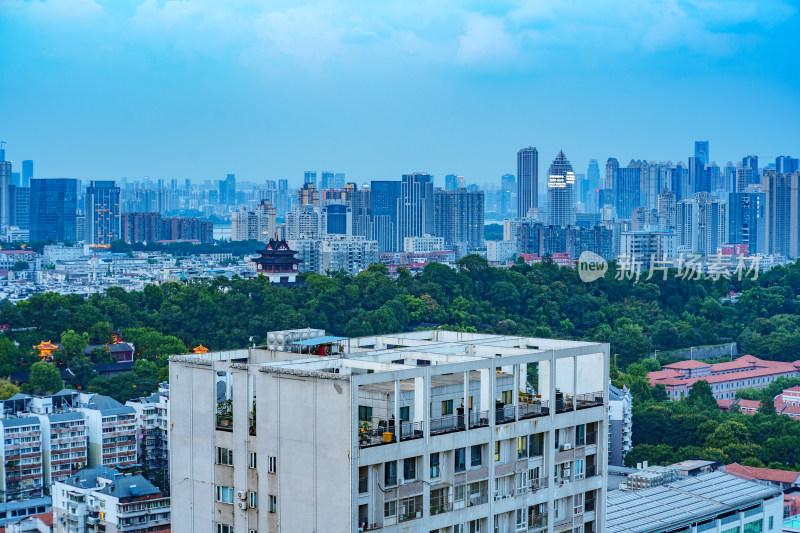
<point>541,300</point>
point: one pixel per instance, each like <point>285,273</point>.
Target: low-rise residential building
<point>423,244</point>
<point>714,502</point>
<point>101,499</point>
<point>14,511</point>
<point>111,430</point>
<point>152,431</point>
<point>64,450</point>
<point>37,523</point>
<point>620,424</point>
<point>785,479</point>
<point>424,431</point>
<point>501,252</point>
<point>746,372</point>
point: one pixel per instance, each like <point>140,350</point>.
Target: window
<point>435,465</point>
<point>771,522</point>
<point>522,482</point>
<point>475,526</point>
<point>404,414</point>
<point>224,528</point>
<point>754,527</point>
<point>732,530</point>
<point>409,468</point>
<point>447,407</point>
<point>497,451</point>
<point>390,509</point>
<point>536,445</point>
<point>460,460</point>
<point>224,456</point>
<point>254,500</point>
<point>460,492</point>
<point>272,464</point>
<point>522,519</point>
<point>273,504</point>
<point>580,435</point>
<point>578,507</point>
<point>522,447</point>
<point>364,413</point>
<point>555,440</point>
<point>476,455</point>
<point>251,463</point>
<point>390,473</point>
<point>578,469</point>
<point>224,494</point>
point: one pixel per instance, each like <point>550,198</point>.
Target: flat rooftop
<point>682,502</point>
<point>386,353</point>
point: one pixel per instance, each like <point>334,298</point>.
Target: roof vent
<point>134,490</point>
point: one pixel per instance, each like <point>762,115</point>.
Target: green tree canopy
<point>45,378</point>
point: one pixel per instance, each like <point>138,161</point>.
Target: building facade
<point>441,433</point>
<point>527,180</point>
<point>54,207</point>
<point>102,213</point>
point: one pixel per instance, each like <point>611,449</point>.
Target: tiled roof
<point>688,364</point>
<point>764,474</point>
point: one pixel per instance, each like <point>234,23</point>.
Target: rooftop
<point>764,474</point>
<point>681,503</point>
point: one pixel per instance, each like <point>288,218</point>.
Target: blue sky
<point>197,88</point>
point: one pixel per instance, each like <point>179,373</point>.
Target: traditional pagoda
<point>278,262</point>
<point>46,349</point>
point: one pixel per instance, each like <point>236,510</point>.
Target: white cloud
<point>485,41</point>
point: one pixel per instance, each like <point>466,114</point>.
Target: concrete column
<point>420,407</point>
<point>515,392</point>
<point>466,401</point>
<point>396,410</point>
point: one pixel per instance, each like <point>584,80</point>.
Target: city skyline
<point>199,90</point>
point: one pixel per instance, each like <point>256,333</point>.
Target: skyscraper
<point>326,180</point>
<point>102,213</point>
<point>508,193</point>
<point>592,185</point>
<point>785,164</point>
<point>751,161</point>
<point>450,182</point>
<point>230,189</point>
<point>54,206</point>
<point>612,167</point>
<point>782,214</point>
<point>627,189</point>
<point>20,207</point>
<point>383,200</point>
<point>527,180</point>
<point>5,192</point>
<point>310,176</point>
<point>701,152</point>
<point>338,180</point>
<point>415,212</point>
<point>746,223</point>
<point>27,172</point>
<point>459,218</point>
<point>560,192</point>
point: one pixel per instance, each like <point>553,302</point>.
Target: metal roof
<point>319,340</point>
<point>23,421</point>
<point>681,503</point>
<point>64,417</point>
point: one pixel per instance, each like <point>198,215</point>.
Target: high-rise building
<point>508,195</point>
<point>627,189</point>
<point>701,152</point>
<point>338,180</point>
<point>782,214</point>
<point>744,178</point>
<point>438,426</point>
<point>746,222</point>
<point>102,213</point>
<point>310,177</point>
<point>459,217</point>
<point>337,219</point>
<point>20,207</point>
<point>785,164</point>
<point>27,172</point>
<point>620,424</point>
<point>666,211</point>
<point>327,180</point>
<point>5,193</point>
<point>751,161</point>
<point>415,207</point>
<point>612,168</point>
<point>383,206</point>
<point>698,177</point>
<point>54,206</point>
<point>560,192</point>
<point>527,180</point>
<point>256,224</point>
<point>450,182</point>
<point>141,227</point>
<point>230,190</point>
<point>715,225</point>
<point>308,195</point>
<point>688,216</point>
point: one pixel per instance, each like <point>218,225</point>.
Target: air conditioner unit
<point>242,505</point>
<point>242,494</point>
<point>566,446</point>
<point>567,472</point>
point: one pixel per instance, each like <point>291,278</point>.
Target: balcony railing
<point>530,410</point>
<point>591,399</point>
<point>440,508</point>
<point>224,416</point>
<point>505,414</point>
<point>447,424</point>
<point>478,419</point>
<point>538,484</point>
<point>252,425</point>
<point>411,430</point>
<point>375,436</point>
<point>537,522</point>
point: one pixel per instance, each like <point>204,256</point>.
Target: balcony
<point>385,434</point>
<point>440,508</point>
<point>537,522</point>
<point>251,424</point>
<point>447,424</point>
<point>591,471</point>
<point>591,399</point>
<point>478,419</point>
<point>505,414</point>
<point>538,484</point>
<point>224,416</point>
<point>531,410</point>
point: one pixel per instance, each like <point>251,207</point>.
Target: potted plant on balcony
<point>364,426</point>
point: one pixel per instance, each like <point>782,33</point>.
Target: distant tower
<point>310,177</point>
<point>560,192</point>
<point>701,152</point>
<point>102,213</point>
<point>527,180</point>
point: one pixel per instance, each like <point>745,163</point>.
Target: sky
<point>105,89</point>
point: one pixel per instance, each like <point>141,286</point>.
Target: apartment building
<point>152,429</point>
<point>432,431</point>
<point>714,502</point>
<point>724,378</point>
<point>64,450</point>
<point>21,460</point>
<point>620,424</point>
<point>101,499</point>
<point>111,430</point>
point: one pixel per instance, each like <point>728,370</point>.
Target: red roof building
<point>782,478</point>
<point>724,378</point>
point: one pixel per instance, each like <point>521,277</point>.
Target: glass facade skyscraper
<point>527,180</point>
<point>54,206</point>
<point>560,192</point>
<point>102,213</point>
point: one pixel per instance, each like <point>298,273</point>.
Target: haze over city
<point>193,89</point>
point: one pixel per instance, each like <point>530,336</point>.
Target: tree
<point>748,394</point>
<point>7,389</point>
<point>102,332</point>
<point>73,344</point>
<point>45,378</point>
<point>767,406</point>
<point>701,397</point>
<point>82,369</point>
<point>659,393</point>
<point>728,433</point>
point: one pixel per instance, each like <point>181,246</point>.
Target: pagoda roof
<point>277,252</point>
